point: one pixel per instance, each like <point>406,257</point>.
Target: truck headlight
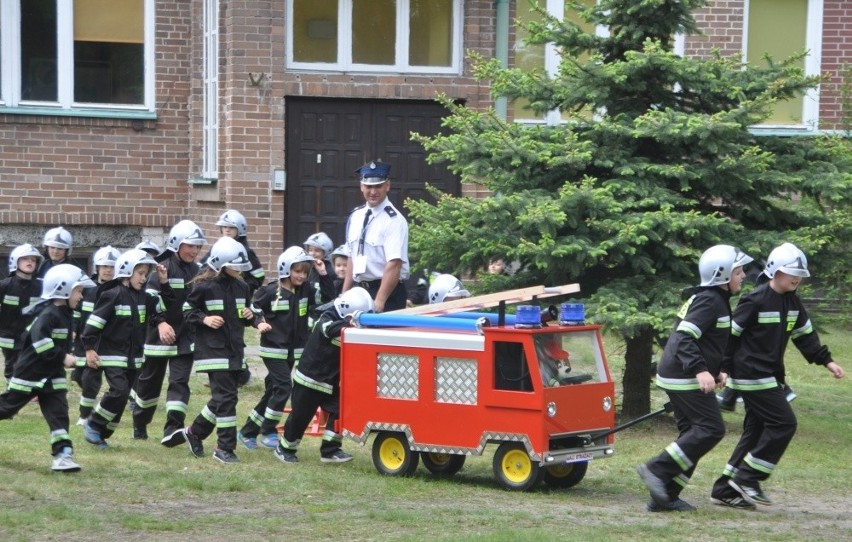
<point>607,403</point>
<point>551,409</point>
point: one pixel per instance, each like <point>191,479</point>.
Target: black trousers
<point>267,413</point>
<point>700,426</point>
<point>91,381</point>
<point>768,428</point>
<point>220,413</point>
<point>54,407</point>
<point>304,404</point>
<point>10,356</point>
<point>106,415</point>
<point>396,300</point>
<point>149,385</point>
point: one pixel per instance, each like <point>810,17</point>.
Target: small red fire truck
<point>441,387</point>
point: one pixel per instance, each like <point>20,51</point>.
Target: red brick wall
<point>836,59</point>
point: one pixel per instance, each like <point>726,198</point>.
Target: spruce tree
<point>653,164</point>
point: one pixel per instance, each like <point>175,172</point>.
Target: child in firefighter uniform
<point>114,338</point>
<point>16,293</point>
<point>45,354</point>
<point>285,308</point>
<point>319,247</point>
<point>690,370</point>
<point>91,380</point>
<point>169,345</point>
<point>316,380</point>
<point>764,321</point>
<point>217,316</point>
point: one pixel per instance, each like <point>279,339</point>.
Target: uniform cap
<point>373,173</point>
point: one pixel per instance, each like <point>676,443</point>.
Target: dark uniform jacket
<point>118,324</point>
<point>319,368</point>
<point>763,323</point>
<point>698,341</point>
<point>287,312</point>
<point>173,296</point>
<point>324,290</point>
<point>218,349</point>
<point>16,294</point>
<point>45,344</point>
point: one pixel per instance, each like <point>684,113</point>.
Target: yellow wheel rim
<point>392,453</point>
<point>517,466</point>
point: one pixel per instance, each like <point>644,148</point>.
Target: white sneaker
<point>64,462</point>
<point>81,422</point>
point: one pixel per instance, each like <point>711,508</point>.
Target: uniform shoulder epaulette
<point>390,210</point>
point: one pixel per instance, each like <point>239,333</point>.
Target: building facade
<point>119,118</point>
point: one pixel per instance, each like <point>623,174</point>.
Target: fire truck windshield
<point>569,358</point>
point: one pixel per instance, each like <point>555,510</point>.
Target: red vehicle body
<point>544,396</point>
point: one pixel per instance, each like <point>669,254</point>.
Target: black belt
<point>367,284</point>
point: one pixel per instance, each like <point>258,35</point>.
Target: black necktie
<point>364,231</point>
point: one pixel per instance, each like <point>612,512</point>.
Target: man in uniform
<point>377,241</point>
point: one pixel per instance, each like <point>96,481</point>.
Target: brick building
<point>118,118</point>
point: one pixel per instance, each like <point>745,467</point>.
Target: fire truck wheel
<point>565,475</point>
<point>392,455</point>
<point>514,469</point>
<point>442,464</point>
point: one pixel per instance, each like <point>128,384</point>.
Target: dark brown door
<point>328,139</point>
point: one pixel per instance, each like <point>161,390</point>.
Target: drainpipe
<point>501,49</point>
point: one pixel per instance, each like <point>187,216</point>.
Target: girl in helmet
<point>316,380</point>
<point>57,243</point>
<point>90,380</point>
<point>285,308</point>
<point>45,354</point>
<point>233,224</point>
<point>319,247</point>
<point>339,259</point>
<point>16,291</point>
<point>218,314</point>
<point>169,344</point>
<point>690,369</point>
<point>114,338</point>
<point>765,320</point>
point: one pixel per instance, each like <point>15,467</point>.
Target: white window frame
<point>10,65</point>
<point>813,62</point>
<point>344,44</point>
<point>210,68</point>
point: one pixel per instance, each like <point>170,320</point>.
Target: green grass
<point>142,491</point>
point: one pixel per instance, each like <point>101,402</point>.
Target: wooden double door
<point>329,139</point>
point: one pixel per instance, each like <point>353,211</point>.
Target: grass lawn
<point>139,490</point>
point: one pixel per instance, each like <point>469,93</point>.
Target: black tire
<point>444,465</point>
<point>392,456</point>
<point>565,476</point>
<point>514,469</point>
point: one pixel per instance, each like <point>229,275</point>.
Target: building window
<point>782,28</point>
<point>542,57</point>
<point>77,54</point>
<point>412,36</point>
<point>210,67</point>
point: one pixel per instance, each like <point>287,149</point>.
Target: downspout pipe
<point>501,50</point>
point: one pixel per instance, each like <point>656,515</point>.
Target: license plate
<point>579,456</point>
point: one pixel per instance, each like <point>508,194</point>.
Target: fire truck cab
<point>543,396</point>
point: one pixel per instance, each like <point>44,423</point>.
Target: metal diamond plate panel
<point>397,376</point>
<point>455,380</point>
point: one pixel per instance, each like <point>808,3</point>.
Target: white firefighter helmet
<point>185,231</point>
<point>228,252</point>
<point>288,258</point>
<point>150,247</point>
<point>60,280</point>
<point>339,251</point>
<point>789,259</point>
<point>22,251</point>
<point>352,300</point>
<point>128,261</point>
<point>717,264</point>
<point>234,219</point>
<point>58,237</point>
<point>106,256</point>
<point>446,286</point>
<point>321,241</point>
